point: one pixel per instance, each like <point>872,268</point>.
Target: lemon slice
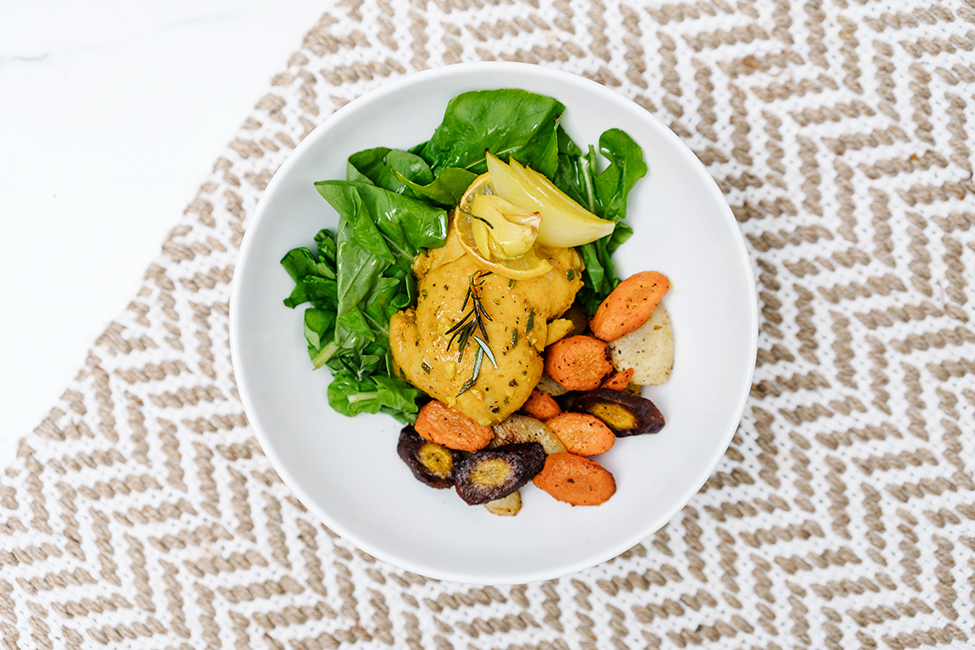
<point>522,267</point>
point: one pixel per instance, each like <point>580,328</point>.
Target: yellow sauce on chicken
<point>519,312</point>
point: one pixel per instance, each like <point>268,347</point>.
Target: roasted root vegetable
<point>430,463</point>
<point>582,434</point>
<point>491,474</point>
<point>579,362</point>
<point>541,406</point>
<point>505,506</point>
<point>519,428</point>
<point>576,480</point>
<point>648,351</point>
<point>623,412</point>
<point>447,426</point>
<point>629,305</point>
<point>620,380</point>
<point>550,387</point>
<point>579,317</point>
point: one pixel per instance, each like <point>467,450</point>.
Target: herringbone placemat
<point>142,514</point>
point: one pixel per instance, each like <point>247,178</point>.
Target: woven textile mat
<point>142,514</point>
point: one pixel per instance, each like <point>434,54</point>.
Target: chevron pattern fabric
<point>142,514</point>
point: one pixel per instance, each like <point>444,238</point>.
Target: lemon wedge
<point>507,245</point>
<point>565,223</point>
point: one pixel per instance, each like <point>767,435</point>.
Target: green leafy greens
<point>360,279</point>
<point>604,194</point>
<point>392,207</point>
<point>505,122</point>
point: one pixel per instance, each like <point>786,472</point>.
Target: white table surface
<point>111,115</point>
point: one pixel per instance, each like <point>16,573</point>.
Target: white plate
<point>346,470</point>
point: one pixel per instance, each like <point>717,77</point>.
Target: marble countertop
<point>111,115</point>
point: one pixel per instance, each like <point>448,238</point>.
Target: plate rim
<point>475,577</point>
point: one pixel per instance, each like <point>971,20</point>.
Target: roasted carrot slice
<point>541,406</point>
<point>582,434</point>
<point>579,362</point>
<point>629,305</point>
<point>620,380</point>
<point>447,426</point>
<point>576,480</point>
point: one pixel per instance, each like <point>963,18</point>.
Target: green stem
<point>359,397</point>
<point>323,355</point>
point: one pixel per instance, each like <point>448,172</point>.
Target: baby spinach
<point>625,168</point>
<point>406,173</point>
<point>375,394</point>
<point>603,192</point>
<point>320,292</point>
<point>320,334</point>
<point>506,122</point>
<point>446,189</point>
<point>301,262</point>
<point>388,225</point>
<point>390,169</point>
<point>359,279</point>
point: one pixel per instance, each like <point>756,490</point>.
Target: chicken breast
<point>515,330</point>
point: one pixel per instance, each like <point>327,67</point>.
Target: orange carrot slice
<point>582,434</point>
<point>541,406</point>
<point>447,426</point>
<point>579,362</point>
<point>629,305</point>
<point>576,480</point>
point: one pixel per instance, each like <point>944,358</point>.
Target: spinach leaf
<point>318,324</point>
<point>595,272</point>
<point>359,267</point>
<point>379,235</point>
<point>325,241</point>
<point>625,168</point>
<point>372,359</point>
<point>300,262</point>
<point>406,173</point>
<point>445,190</point>
<point>574,172</point>
<point>385,299</point>
<point>375,394</point>
<point>567,147</point>
<point>599,278</point>
<point>602,193</point>
<point>405,225</point>
<point>319,332</point>
<point>353,331</point>
<point>321,292</point>
<point>390,169</point>
<point>506,122</point>
<point>622,233</point>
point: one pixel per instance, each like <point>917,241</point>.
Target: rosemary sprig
<point>472,320</point>
<point>469,384</point>
<point>467,327</point>
<point>486,350</point>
